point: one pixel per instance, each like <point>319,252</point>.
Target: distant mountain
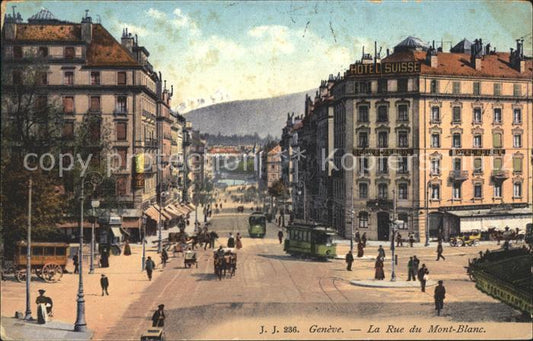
<point>261,116</point>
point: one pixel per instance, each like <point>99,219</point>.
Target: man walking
<point>439,251</point>
<point>381,252</point>
<point>411,239</point>
<point>439,295</point>
<point>104,283</point>
<point>75,261</point>
<point>164,257</point>
<point>410,269</point>
<point>416,263</point>
<point>423,277</point>
<point>399,241</point>
<point>363,239</point>
<point>349,260</point>
<point>149,266</point>
<point>158,318</point>
<point>280,236</point>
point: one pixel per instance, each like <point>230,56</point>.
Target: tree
<point>278,189</point>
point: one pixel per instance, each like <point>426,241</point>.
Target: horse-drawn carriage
<point>190,259</point>
<point>48,260</point>
<point>225,262</point>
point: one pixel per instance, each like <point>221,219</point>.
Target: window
<point>362,115</point>
<point>383,115</point>
<point>435,140</point>
<point>477,115</point>
<point>69,53</point>
<point>435,115</point>
<point>95,78</point>
<point>478,191</point>
<point>497,89</point>
<point>517,140</point>
<point>363,191</point>
<point>477,88</point>
<point>41,103</point>
<point>403,165</point>
<point>363,165</point>
<point>402,191</point>
<point>517,190</point>
<point>383,165</point>
<point>121,105</point>
<point>456,143</point>
<point>497,163</point>
<point>434,87</point>
<point>497,190</point>
<point>17,52</point>
<point>402,85</point>
<point>517,116</point>
<point>68,130</point>
<point>403,113</point>
<point>122,160</point>
<point>95,104</point>
<point>517,90</point>
<point>477,141</point>
<point>122,186</point>
<point>121,78</point>
<point>43,51</point>
<point>456,190</point>
<point>383,139</point>
<point>122,129</point>
<point>382,85</point>
<point>456,87</point>
<point>42,78</point>
<point>478,165</point>
<point>517,165</point>
<point>363,140</point>
<point>497,115</point>
<point>363,219</point>
<point>17,77</point>
<point>456,115</point>
<point>435,192</point>
<point>362,87</point>
<point>457,164</point>
<point>403,140</point>
<point>68,78</point>
<point>435,166</point>
<point>382,191</point>
<point>68,105</point>
<point>497,140</point>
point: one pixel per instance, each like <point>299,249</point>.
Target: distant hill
<point>261,116</point>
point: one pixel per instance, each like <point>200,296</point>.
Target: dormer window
<point>69,53</point>
<point>43,51</point>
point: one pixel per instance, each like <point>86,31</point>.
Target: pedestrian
<point>238,242</point>
<point>104,283</point>
<point>164,257</point>
<point>44,307</point>
<point>149,266</point>
<point>439,251</point>
<point>439,295</point>
<point>357,236</point>
<point>231,240</point>
<point>381,252</point>
<point>423,276</point>
<point>411,239</point>
<point>75,261</point>
<point>212,237</point>
<point>379,274</point>
<point>410,269</point>
<point>104,259</point>
<point>360,249</point>
<point>158,318</point>
<point>280,236</point>
<point>399,241</point>
<point>363,239</point>
<point>349,261</point>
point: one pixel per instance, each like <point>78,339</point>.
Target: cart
<point>48,260</point>
<point>190,259</point>
<point>153,334</point>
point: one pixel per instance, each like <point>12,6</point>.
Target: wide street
<point>273,289</point>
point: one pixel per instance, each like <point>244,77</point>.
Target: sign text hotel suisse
<point>385,68</point>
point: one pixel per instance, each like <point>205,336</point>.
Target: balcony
<point>120,112</point>
<point>499,174</point>
<point>380,204</point>
<point>458,175</point>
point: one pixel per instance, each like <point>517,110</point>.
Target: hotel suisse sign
<point>385,68</point>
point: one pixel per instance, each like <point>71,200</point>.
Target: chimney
<point>127,40</point>
<point>431,57</point>
<point>87,28</point>
<point>516,57</point>
<point>475,54</point>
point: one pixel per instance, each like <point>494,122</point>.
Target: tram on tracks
<point>311,241</point>
<point>257,225</point>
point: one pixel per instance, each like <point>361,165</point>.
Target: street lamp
<point>144,219</point>
<point>94,204</point>
<point>393,234</point>
<point>28,316</point>
<point>427,213</point>
<point>160,227</point>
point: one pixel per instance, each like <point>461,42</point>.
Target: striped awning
<point>173,209</point>
<point>153,213</point>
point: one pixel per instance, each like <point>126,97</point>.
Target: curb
<point>371,283</point>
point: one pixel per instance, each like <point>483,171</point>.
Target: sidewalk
<point>15,329</point>
<point>373,283</point>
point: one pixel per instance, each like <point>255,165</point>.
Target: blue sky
<point>230,50</point>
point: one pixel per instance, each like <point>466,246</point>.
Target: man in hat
<point>44,307</point>
<point>349,261</point>
<point>439,295</point>
<point>158,318</point>
<point>280,236</point>
<point>149,266</point>
<point>104,283</point>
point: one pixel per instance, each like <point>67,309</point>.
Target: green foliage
<point>278,189</point>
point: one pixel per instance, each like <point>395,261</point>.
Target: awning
<point>170,213</point>
<point>190,206</point>
<point>75,225</point>
<point>152,213</point>
<point>131,223</point>
<point>483,220</point>
<point>172,209</point>
<point>116,232</point>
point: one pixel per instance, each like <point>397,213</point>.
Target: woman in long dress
<point>238,243</point>
<point>360,249</point>
<point>127,249</point>
<point>380,275</point>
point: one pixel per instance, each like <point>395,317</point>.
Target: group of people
<point>235,242</point>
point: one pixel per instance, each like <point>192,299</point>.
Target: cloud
<point>272,39</point>
<point>117,26</point>
<point>156,14</point>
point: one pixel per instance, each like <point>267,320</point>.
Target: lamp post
<point>94,204</point>
<point>393,235</point>
<point>144,219</point>
<point>352,213</point>
<point>80,324</point>
<point>160,225</point>
<point>28,316</point>
<point>427,213</point>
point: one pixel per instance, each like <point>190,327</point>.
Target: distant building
<point>273,166</point>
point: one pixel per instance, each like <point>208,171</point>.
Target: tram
<point>257,225</point>
<point>310,241</point>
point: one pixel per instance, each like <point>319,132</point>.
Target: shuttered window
<point>68,105</point>
<point>517,165</point>
<point>95,103</point>
<point>121,78</point>
<point>497,140</point>
<point>121,131</point>
<point>477,165</point>
<point>497,164</point>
